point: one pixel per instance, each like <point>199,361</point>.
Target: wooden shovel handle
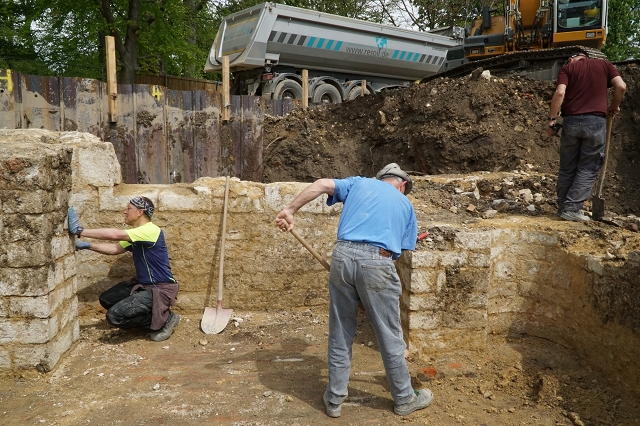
<point>311,249</point>
<point>606,155</point>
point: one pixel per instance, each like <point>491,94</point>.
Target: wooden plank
<point>236,136</point>
<point>226,113</point>
<point>9,100</point>
<point>112,84</point>
<point>41,99</point>
<point>152,150</point>
<point>207,131</point>
<point>305,89</point>
<point>125,136</point>
<point>252,138</point>
<point>180,136</point>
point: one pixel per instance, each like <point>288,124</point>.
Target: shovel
<point>311,249</point>
<point>215,320</point>
<point>598,202</point>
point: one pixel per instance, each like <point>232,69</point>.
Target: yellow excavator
<point>533,36</point>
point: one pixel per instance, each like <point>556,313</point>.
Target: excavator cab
<point>526,25</point>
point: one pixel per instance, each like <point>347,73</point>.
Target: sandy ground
<point>270,369</point>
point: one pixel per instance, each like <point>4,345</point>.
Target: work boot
<point>420,400</point>
<point>333,410</point>
<point>578,216</point>
<point>167,329</point>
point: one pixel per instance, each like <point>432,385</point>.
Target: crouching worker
<point>144,301</point>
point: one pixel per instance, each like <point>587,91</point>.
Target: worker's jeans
<point>359,273</point>
<point>126,310</point>
<point>581,158</point>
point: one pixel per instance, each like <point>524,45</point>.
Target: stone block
<point>61,246</point>
<point>23,202</point>
<point>5,359</point>
<point>503,288</point>
<point>185,199</point>
<point>424,259</point>
<point>453,258</point>
<point>594,265</point>
<point>425,303</point>
<point>27,254</point>
<point>474,240</point>
<point>422,281</point>
<point>424,321</point>
<point>21,227</point>
<point>502,304</point>
<point>94,162</point>
<point>33,281</point>
<point>467,319</point>
<point>41,306</point>
<point>505,269</point>
<point>117,200</point>
<point>24,330</point>
<point>480,259</point>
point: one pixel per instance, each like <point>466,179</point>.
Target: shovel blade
<point>214,320</point>
<point>597,207</point>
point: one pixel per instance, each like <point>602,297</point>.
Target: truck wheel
<point>288,89</point>
<point>356,92</point>
<point>326,94</point>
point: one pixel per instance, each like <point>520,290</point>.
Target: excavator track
<point>516,60</point>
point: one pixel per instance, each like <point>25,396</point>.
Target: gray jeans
<point>360,273</point>
<point>581,158</point>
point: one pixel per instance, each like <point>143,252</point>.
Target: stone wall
<point>38,303</point>
<point>509,275</point>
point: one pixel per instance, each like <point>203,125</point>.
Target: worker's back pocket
<point>379,277</point>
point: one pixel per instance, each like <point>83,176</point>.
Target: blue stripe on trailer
<point>329,44</point>
<point>338,46</point>
<point>311,41</point>
<point>320,43</point>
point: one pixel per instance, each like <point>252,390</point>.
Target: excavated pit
<point>511,315</point>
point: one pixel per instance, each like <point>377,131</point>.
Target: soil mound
<point>447,126</point>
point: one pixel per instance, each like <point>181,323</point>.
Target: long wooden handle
<point>224,229</point>
<point>606,155</point>
<point>311,250</point>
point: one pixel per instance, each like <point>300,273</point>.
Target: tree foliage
<point>173,37</point>
<point>623,39</point>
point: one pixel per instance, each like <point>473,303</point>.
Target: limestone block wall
<point>38,303</point>
<point>511,282</point>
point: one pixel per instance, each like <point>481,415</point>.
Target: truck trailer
<point>269,45</point>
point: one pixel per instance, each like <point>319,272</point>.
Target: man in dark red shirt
<point>581,91</point>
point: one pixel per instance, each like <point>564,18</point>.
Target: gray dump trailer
<point>270,44</point>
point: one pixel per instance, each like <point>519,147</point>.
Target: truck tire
<point>326,94</point>
<point>288,89</point>
<point>356,92</point>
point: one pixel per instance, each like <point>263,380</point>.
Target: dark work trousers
<point>126,310</point>
<point>581,158</point>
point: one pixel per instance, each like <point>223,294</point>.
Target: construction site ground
<point>269,367</point>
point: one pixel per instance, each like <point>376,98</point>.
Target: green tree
<point>623,39</point>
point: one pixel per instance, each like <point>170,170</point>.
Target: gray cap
<point>393,169</point>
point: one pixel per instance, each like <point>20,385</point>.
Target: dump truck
<point>269,45</point>
<point>533,37</point>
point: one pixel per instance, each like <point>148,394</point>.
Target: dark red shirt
<point>587,82</point>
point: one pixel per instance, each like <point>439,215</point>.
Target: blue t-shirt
<point>150,254</point>
<point>376,213</point>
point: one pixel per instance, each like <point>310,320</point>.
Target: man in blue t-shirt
<point>143,301</point>
<point>377,222</point>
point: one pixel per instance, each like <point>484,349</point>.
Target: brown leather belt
<point>385,253</point>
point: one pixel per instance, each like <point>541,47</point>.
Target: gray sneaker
<point>167,329</point>
<point>333,410</point>
<point>420,400</point>
<point>578,216</point>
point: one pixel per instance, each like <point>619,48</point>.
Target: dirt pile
<point>453,126</point>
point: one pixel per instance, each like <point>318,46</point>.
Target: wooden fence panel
<point>207,130</point>
<point>159,136</point>
<point>251,148</point>
<point>41,102</point>
<point>123,133</point>
<point>10,100</point>
<point>152,149</point>
<point>179,113</point>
